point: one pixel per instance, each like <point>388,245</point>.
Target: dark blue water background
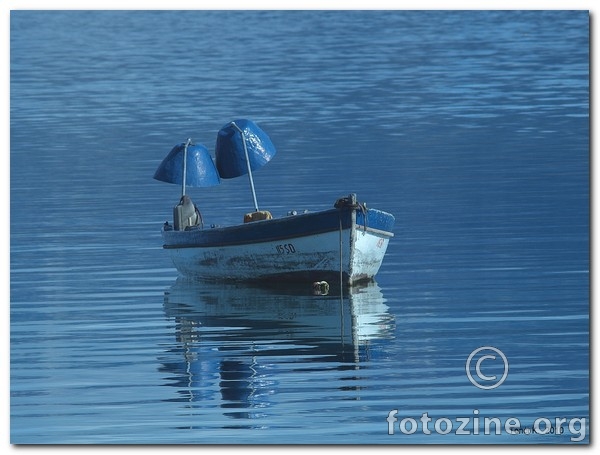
<point>472,128</point>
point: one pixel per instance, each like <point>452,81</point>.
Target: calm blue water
<point>472,128</point>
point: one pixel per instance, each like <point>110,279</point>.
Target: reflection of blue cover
<point>229,150</point>
<point>200,169</point>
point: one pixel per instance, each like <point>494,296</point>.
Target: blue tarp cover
<point>200,168</point>
<point>229,149</point>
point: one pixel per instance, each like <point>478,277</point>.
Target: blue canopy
<point>230,152</point>
<point>200,169</point>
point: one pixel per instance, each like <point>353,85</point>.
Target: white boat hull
<point>315,257</point>
<point>342,245</point>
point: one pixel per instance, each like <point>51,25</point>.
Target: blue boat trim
<point>303,225</point>
<point>260,231</point>
<point>376,219</point>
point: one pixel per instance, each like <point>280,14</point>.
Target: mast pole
<point>185,147</point>
<point>247,164</point>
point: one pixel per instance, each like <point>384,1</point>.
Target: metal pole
<point>247,164</point>
<point>341,261</point>
<point>185,147</point>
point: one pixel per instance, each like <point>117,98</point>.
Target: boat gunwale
<point>291,218</point>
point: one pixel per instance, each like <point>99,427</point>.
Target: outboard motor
<point>186,214</point>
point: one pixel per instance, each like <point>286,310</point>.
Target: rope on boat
<point>351,203</point>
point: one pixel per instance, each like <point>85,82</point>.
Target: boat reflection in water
<point>237,343</point>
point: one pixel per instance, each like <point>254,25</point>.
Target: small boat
<point>345,244</point>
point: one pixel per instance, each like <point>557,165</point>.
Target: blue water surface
<point>471,127</point>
